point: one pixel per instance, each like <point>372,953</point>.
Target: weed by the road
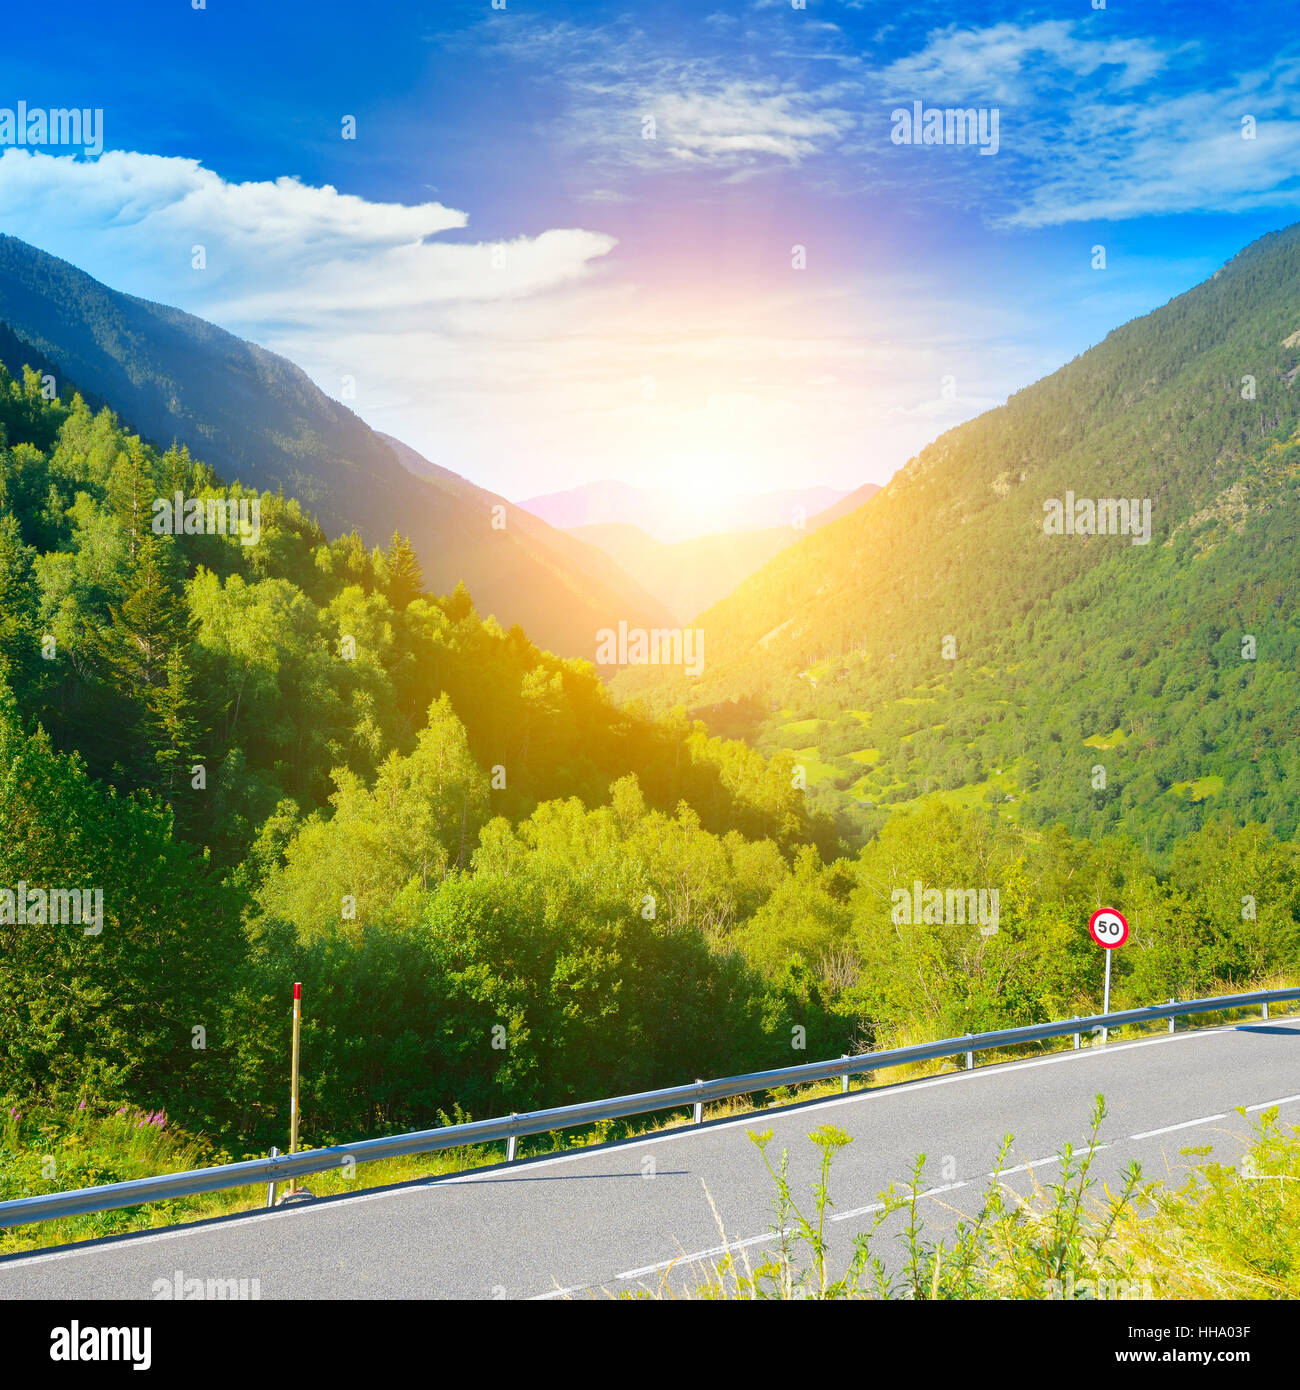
<point>1012,1248</point>
<point>1228,1232</point>
<point>1225,1232</point>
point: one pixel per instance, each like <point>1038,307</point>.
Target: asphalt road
<point>614,1218</point>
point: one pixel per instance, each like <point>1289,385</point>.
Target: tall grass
<point>1225,1232</point>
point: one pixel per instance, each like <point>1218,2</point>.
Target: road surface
<point>613,1218</point>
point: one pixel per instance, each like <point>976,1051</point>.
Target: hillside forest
<point>288,761</point>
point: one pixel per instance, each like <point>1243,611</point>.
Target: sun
<point>704,483</point>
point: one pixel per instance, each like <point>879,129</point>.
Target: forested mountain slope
<point>563,553</point>
<point>255,417</point>
<point>274,757</point>
<point>941,639</point>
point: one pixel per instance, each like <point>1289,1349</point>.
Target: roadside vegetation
<point>1225,1232</point>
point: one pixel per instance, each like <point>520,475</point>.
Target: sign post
<point>293,1096</point>
<point>1109,929</point>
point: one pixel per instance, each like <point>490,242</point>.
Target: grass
<point>1224,1233</point>
<point>969,795</point>
<point>815,770</point>
<point>57,1148</point>
<point>1199,789</point>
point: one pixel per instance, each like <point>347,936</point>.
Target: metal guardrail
<point>47,1207</point>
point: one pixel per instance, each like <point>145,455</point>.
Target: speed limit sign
<point>1108,927</point>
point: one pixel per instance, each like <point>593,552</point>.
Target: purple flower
<point>82,1106</point>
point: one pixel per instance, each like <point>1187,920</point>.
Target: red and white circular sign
<point>1108,928</point>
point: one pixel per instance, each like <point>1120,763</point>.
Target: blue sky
<point>515,280</point>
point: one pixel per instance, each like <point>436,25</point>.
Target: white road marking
<point>930,1192</point>
<point>1286,1100</point>
<point>711,1253</point>
<point>1169,1129</point>
<point>880,1206</point>
<point>858,1211</point>
<point>716,1250</point>
<point>1043,1162</point>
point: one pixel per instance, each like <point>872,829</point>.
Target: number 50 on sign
<point>1108,927</point>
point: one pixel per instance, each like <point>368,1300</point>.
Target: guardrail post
<point>844,1080</point>
<point>512,1141</point>
<point>1265,1008</point>
<point>270,1187</point>
<point>699,1104</point>
<point>1173,1018</point>
<point>1073,1017</point>
<point>970,1056</point>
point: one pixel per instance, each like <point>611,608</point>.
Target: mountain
<point>256,417</point>
<point>659,511</point>
<point>686,576</point>
<point>950,640</point>
<point>691,575</point>
<point>850,502</point>
<point>618,595</point>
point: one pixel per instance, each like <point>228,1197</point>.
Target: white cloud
<point>1011,62</point>
<point>1177,154</point>
<point>1095,124</point>
<point>709,111</point>
<point>741,120</point>
<point>281,252</point>
<point>1096,127</point>
<point>525,377</point>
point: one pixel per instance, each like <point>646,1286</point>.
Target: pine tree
<point>170,716</point>
<point>357,564</point>
<point>150,620</point>
<point>131,493</point>
<point>458,604</point>
<point>405,580</point>
<point>136,648</point>
<point>18,656</point>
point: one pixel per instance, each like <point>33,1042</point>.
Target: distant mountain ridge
<point>659,511</point>
<point>691,575</point>
<point>256,417</point>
